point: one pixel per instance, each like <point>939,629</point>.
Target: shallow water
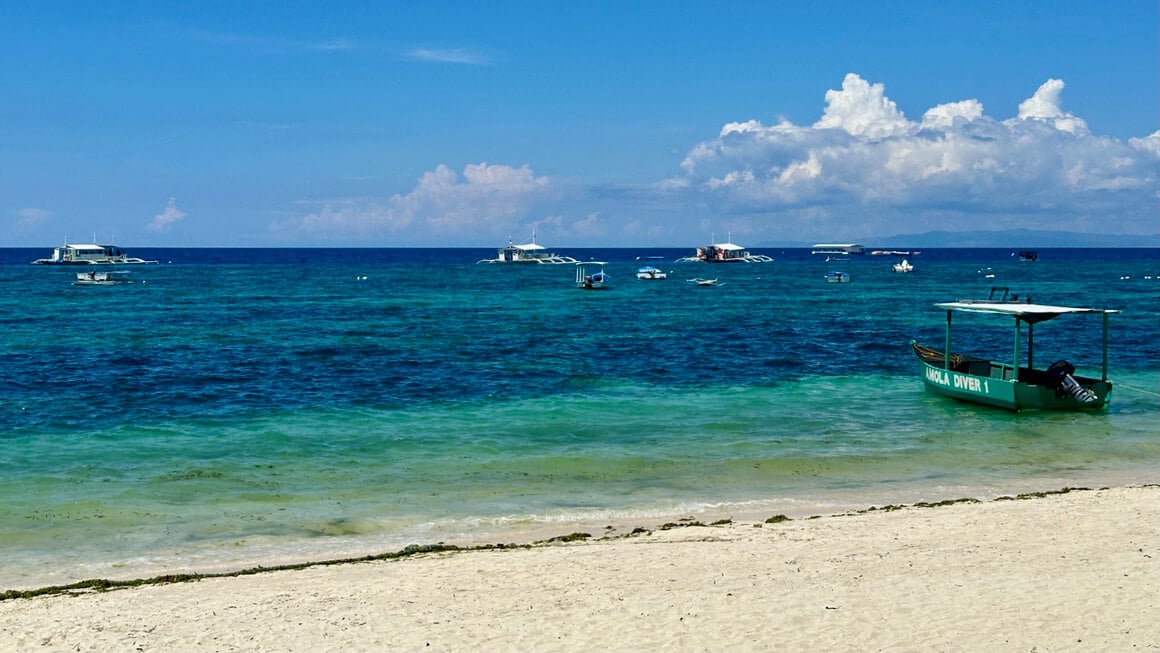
<point>237,407</point>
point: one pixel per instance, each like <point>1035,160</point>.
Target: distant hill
<point>1012,238</point>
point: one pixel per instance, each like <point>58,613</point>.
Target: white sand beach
<point>1075,571</point>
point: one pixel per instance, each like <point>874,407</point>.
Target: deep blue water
<point>236,405</point>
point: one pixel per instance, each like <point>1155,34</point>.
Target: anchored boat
<point>89,254</point>
<point>531,252</point>
<point>725,253</point>
<point>590,275</point>
<point>903,266</point>
<point>1011,384</point>
<point>650,272</point>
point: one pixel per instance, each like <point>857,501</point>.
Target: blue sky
<point>590,123</point>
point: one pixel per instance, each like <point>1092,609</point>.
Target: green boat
<point>1011,384</point>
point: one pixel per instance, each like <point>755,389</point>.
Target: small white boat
<point>94,278</point>
<point>649,272</point>
<point>705,282</point>
<point>528,253</point>
<point>837,276</point>
<point>590,275</point>
<point>903,266</point>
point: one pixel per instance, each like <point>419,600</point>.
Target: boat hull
<point>1009,393</point>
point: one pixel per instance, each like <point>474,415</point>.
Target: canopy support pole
<point>947,345</point>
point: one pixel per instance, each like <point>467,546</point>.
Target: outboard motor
<point>1060,375</point>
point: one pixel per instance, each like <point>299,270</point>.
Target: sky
<point>586,124</point>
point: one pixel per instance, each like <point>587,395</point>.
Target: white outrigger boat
<point>528,253</point>
<point>1011,384</point>
<point>724,253</point>
<point>89,254</point>
<point>590,275</point>
<point>903,266</point>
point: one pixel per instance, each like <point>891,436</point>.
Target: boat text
<point>957,381</point>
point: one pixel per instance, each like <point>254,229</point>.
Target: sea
<point>230,408</point>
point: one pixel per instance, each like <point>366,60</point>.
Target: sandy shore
<point>1078,571</point>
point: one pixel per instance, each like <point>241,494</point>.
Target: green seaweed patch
<point>1040,495</point>
<point>682,524</point>
<point>571,537</point>
<point>777,519</point>
<point>945,502</point>
<point>104,584</point>
<point>722,522</point>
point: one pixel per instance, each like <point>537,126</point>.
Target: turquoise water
<point>239,407</point>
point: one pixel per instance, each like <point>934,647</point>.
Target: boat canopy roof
<point>729,247</point>
<point>1025,312</point>
<point>530,247</point>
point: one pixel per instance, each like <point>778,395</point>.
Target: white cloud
<point>1045,105</point>
<point>486,200</point>
<point>946,116</point>
<point>1149,143</point>
<point>865,165</point>
<point>862,109</point>
<point>164,220</point>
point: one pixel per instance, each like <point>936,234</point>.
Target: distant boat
<point>528,253</point>
<point>94,278</point>
<point>1010,384</point>
<point>1028,255</point>
<point>89,254</point>
<point>838,249</point>
<point>837,276</point>
<point>903,266</point>
<point>725,253</point>
<point>650,272</point>
<point>704,282</point>
<point>590,275</point>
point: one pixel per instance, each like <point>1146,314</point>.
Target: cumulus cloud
<point>1045,105</point>
<point>864,163</point>
<point>862,109</point>
<point>164,220</point>
<point>484,200</point>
